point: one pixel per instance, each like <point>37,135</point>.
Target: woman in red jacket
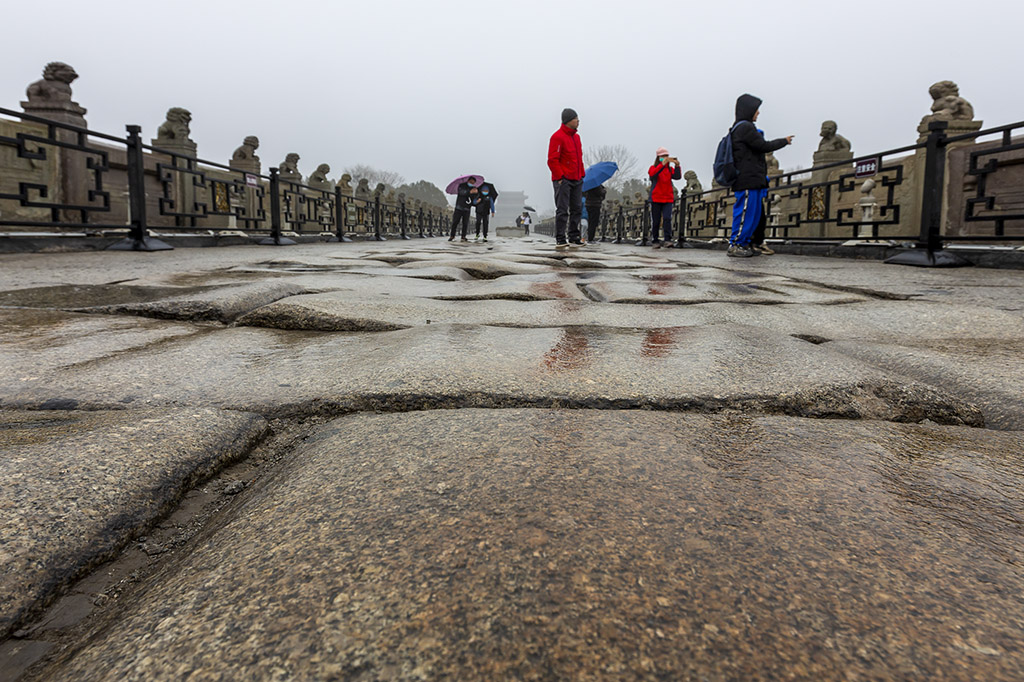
<point>662,173</point>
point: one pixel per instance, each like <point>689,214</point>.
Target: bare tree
<point>618,153</point>
<point>375,175</point>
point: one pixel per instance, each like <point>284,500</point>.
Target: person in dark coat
<point>593,198</point>
<point>484,204</point>
<point>751,186</point>
<point>464,195</point>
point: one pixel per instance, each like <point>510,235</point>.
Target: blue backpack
<point>725,166</point>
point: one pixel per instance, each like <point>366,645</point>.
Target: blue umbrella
<point>598,174</point>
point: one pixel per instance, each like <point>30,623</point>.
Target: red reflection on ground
<point>659,284</point>
<point>659,342</point>
<point>549,290</point>
<point>571,351</point>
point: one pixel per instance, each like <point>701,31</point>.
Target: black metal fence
<point>963,188</point>
<point>70,178</point>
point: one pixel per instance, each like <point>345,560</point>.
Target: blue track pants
<point>746,214</point>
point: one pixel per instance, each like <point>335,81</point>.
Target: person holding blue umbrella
<point>594,193</point>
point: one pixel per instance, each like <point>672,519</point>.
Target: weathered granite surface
<point>536,544</point>
<point>78,485</point>
<point>706,368</point>
<point>841,546</point>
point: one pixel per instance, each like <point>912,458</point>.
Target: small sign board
<point>252,180</point>
<point>866,168</point>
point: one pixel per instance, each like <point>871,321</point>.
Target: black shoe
<point>451,239</point>
<point>576,242</point>
<point>561,245</point>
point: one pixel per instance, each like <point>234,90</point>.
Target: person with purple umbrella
<point>464,196</point>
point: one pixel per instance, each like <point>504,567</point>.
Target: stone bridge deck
<point>420,460</point>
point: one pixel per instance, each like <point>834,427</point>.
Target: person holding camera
<point>662,173</point>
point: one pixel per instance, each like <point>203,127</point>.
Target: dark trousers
<point>464,217</point>
<point>593,220</point>
<point>661,213</point>
<point>482,218</point>
<point>568,209</point>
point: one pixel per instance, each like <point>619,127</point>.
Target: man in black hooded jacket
<point>751,186</point>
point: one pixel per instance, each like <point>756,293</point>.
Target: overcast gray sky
<point>436,89</point>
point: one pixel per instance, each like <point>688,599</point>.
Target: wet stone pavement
<point>419,461</point>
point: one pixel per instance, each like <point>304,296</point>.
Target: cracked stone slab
<point>279,373</point>
<point>481,268</point>
<point>512,287</point>
<point>36,342</point>
<point>75,487</point>
<point>223,304</point>
<point>987,372</point>
<point>555,544</point>
<point>682,291</point>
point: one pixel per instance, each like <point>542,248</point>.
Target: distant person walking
<point>484,203</point>
<point>593,198</point>
<point>526,222</point>
<point>464,196</point>
<point>565,159</point>
<point>751,186</point>
<point>662,173</point>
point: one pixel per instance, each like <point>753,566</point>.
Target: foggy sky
<point>437,89</point>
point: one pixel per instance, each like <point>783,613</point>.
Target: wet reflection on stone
<point>659,342</point>
<point>571,351</point>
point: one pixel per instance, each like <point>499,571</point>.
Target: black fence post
<point>928,251</point>
<point>275,238</point>
<point>681,222</point>
<point>645,217</point>
<point>138,237</point>
<point>620,224</point>
<point>376,219</point>
<point>340,213</point>
<point>419,215</point>
<point>402,216</point>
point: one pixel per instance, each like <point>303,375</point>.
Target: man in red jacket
<point>565,159</point>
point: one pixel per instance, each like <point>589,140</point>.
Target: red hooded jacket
<point>565,154</point>
<point>662,174</point>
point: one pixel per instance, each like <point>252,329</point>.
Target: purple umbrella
<point>453,186</point>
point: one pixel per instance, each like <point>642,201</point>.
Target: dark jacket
<point>565,154</point>
<point>463,199</point>
<point>485,204</point>
<point>662,175</point>
<point>749,147</point>
<point>595,195</point>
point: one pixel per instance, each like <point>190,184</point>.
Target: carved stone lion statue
<point>289,168</point>
<point>175,128</point>
<point>247,152</point>
<point>363,189</point>
<point>55,85</point>
<point>693,185</point>
<point>319,179</point>
<point>831,140</point>
<point>379,190</point>
<point>344,183</point>
<point>948,105</point>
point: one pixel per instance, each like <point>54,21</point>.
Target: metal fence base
<point>144,244</point>
<point>280,241</point>
<point>922,258</point>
